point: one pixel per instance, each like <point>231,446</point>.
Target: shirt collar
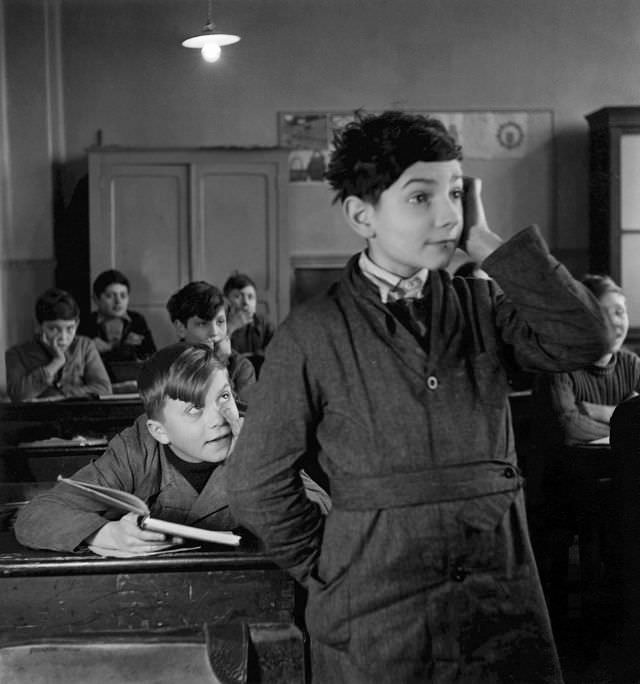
<point>391,286</point>
<point>101,318</point>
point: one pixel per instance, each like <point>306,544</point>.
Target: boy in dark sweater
<point>119,333</point>
<point>395,383</point>
<point>199,314</point>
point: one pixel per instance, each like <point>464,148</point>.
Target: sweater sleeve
<point>551,320</point>
<point>95,379</point>
<point>265,486</point>
<point>577,426</point>
<point>63,517</point>
<point>24,384</point>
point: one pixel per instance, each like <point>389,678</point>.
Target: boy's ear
<point>157,431</point>
<point>180,329</point>
<point>358,215</point>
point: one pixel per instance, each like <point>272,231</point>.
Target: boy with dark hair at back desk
<point>199,314</point>
<point>119,333</point>
<point>395,383</point>
<point>57,362</point>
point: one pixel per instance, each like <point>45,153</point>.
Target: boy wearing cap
<point>172,457</point>
<point>396,383</point>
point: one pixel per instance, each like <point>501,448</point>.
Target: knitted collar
<point>391,286</point>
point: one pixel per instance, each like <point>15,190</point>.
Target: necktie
<point>413,314</point>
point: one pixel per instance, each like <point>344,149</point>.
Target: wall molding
<point>16,263</point>
<point>320,260</point>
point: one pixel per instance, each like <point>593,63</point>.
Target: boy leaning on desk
<point>172,458</point>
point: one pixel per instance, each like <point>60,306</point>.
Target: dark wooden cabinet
<point>614,201</point>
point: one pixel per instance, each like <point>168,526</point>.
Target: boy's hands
<point>124,536</point>
<point>222,349</point>
<point>134,339</point>
<point>58,360</point>
<point>102,345</point>
<point>477,239</point>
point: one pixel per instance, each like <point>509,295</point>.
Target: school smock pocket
<point>328,584</point>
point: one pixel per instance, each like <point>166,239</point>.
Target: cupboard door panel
<point>166,217</point>
<point>145,210</point>
<point>237,227</point>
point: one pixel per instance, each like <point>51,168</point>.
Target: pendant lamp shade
<point>209,41</point>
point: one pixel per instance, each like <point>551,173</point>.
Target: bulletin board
<point>512,151</point>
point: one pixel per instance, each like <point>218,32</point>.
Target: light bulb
<point>211,52</point>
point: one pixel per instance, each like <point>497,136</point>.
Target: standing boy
<point>172,457</point>
<point>57,362</point>
<point>199,314</point>
<point>395,382</point>
<point>119,333</point>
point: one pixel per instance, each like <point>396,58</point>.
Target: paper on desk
<point>119,397</point>
<point>602,440</point>
<point>77,441</point>
<point>163,550</point>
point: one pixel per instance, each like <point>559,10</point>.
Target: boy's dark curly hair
<point>599,284</point>
<point>373,151</point>
<point>197,298</point>
<point>56,304</point>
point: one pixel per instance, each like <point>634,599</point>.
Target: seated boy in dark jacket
<point>172,457</point>
<point>57,362</point>
<point>199,314</point>
<point>250,331</point>
<point>119,333</point>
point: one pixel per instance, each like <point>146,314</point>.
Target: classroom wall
<point>78,71</point>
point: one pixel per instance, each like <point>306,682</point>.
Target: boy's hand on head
<point>124,535</point>
<point>58,360</point>
<point>222,349</point>
<point>477,239</point>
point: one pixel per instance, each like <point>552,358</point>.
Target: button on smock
<point>458,573</point>
<point>432,382</point>
<point>509,472</point>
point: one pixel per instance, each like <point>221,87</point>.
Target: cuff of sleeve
<point>529,240</point>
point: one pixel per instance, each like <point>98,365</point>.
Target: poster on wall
<point>482,134</point>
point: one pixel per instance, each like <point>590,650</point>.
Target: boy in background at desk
<point>396,383</point>
<point>582,401</point>
<point>251,332</point>
<point>57,363</point>
<point>575,408</point>
<point>172,457</point>
<point>119,333</point>
<point>198,313</point>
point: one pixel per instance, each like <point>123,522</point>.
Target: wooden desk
<point>48,594</point>
<point>38,420</point>
<point>25,464</point>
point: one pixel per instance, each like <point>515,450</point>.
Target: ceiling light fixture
<point>208,41</point>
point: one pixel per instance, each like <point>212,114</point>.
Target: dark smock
<point>423,569</point>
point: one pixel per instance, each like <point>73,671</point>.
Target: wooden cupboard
<point>614,202</point>
<point>168,216</point>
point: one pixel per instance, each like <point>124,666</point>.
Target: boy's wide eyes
<point>425,197</point>
<point>419,198</point>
